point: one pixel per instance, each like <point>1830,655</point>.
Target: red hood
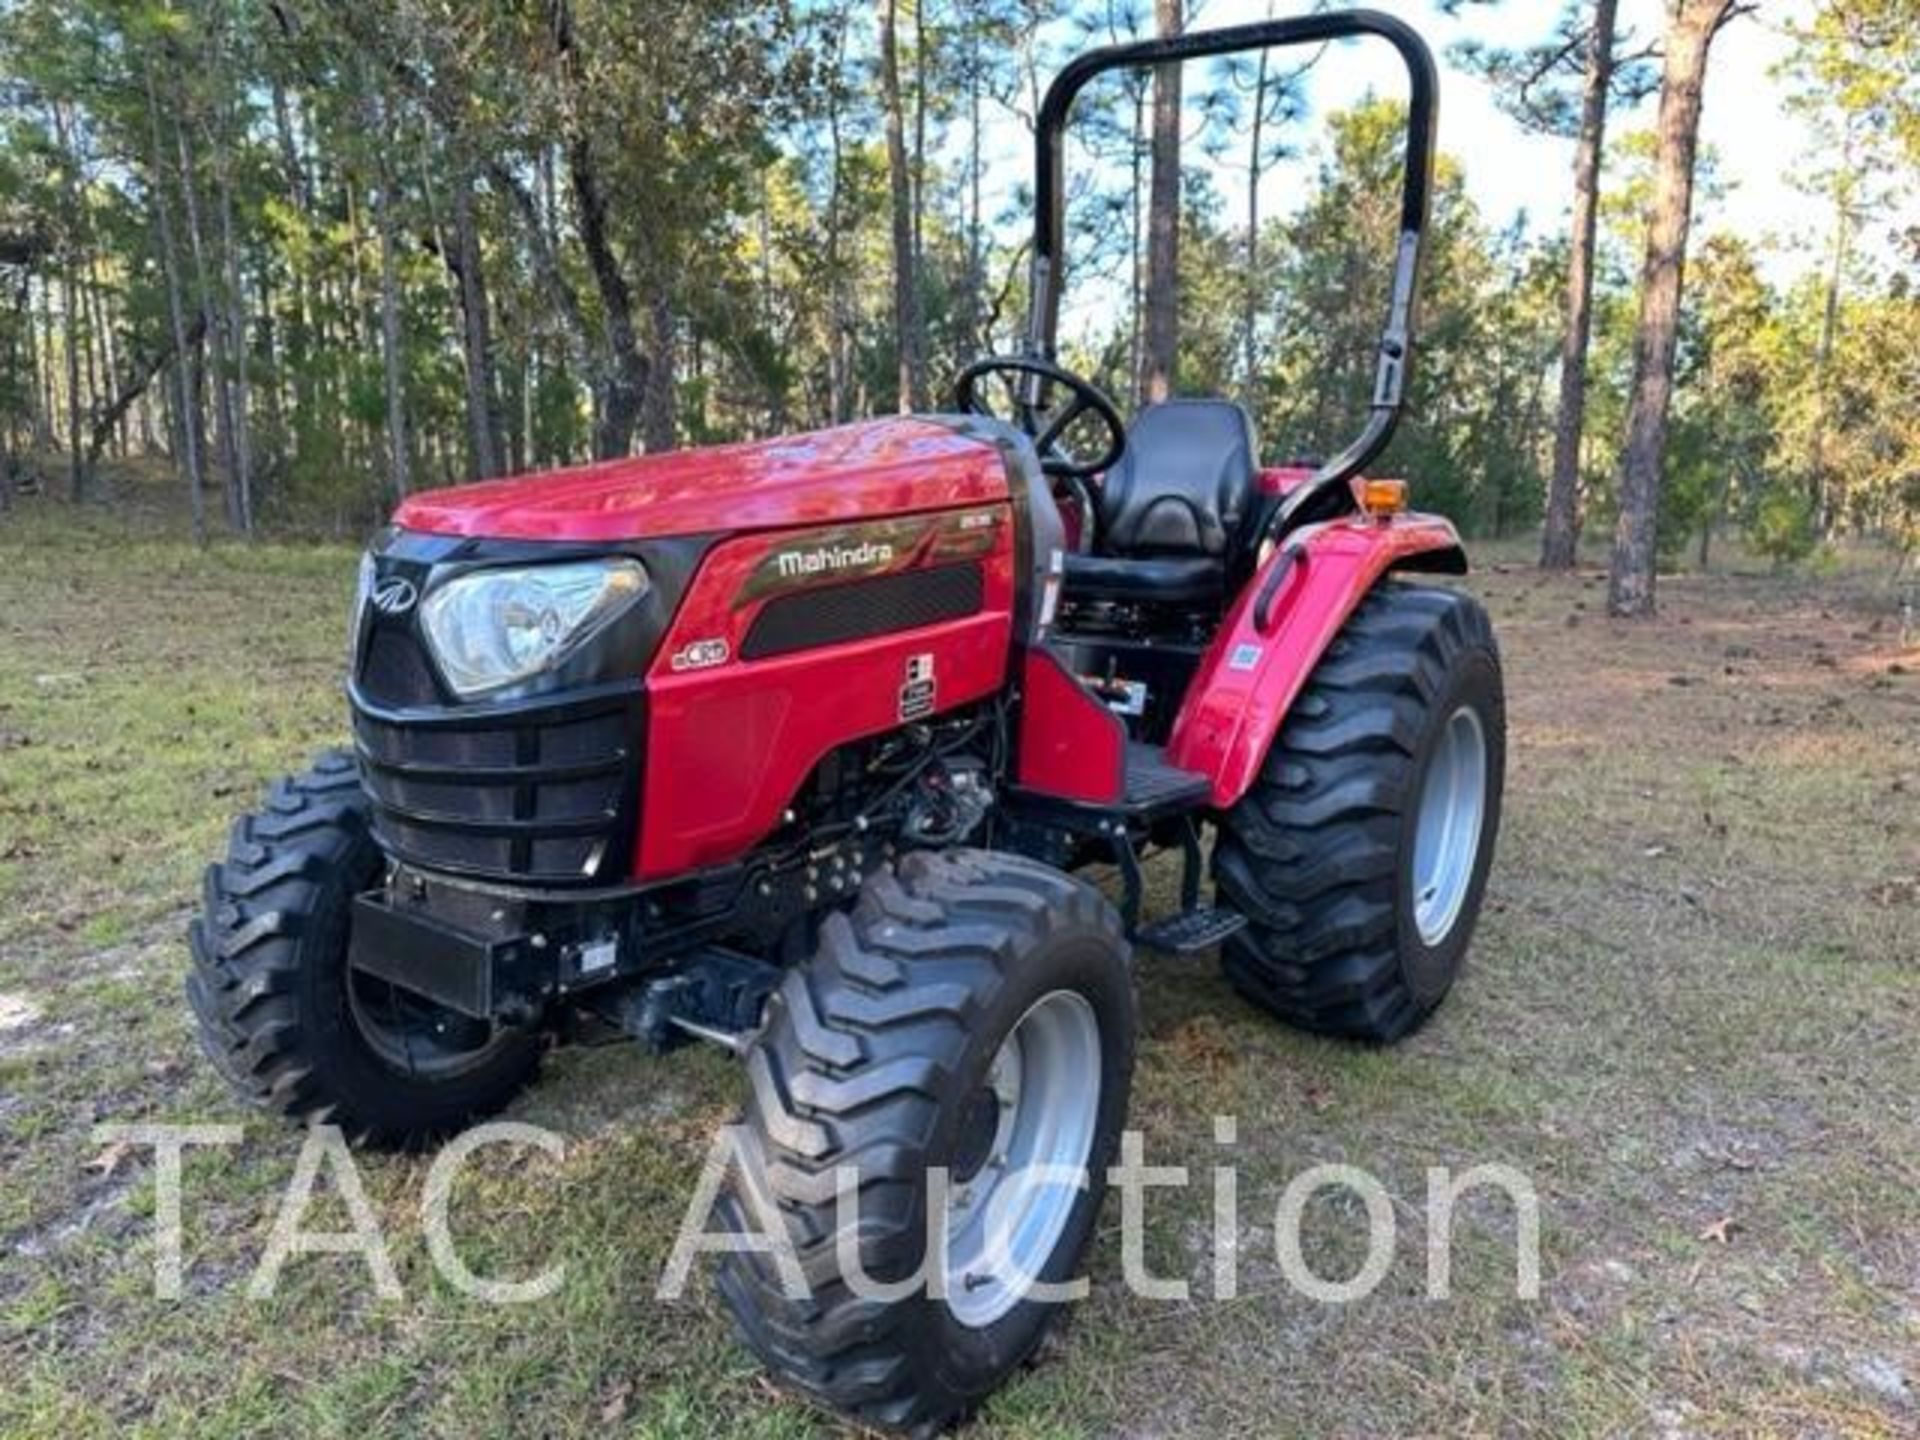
<point>880,467</point>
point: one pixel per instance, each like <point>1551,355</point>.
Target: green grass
<point>1695,997</point>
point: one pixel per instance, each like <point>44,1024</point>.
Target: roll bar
<point>1396,342</point>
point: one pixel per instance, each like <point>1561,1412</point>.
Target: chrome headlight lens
<point>494,628</point>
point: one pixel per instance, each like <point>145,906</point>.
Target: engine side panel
<point>1249,678</point>
<point>790,645</point>
<point>1071,745</point>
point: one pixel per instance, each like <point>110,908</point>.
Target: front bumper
<point>519,960</point>
<point>495,966</point>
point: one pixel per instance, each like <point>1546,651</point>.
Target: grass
<point>1694,999</point>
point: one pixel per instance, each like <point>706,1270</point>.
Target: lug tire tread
<point>308,848</point>
<point>853,1054</point>
<point>1310,853</point>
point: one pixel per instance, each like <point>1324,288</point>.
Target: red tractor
<point>800,746</point>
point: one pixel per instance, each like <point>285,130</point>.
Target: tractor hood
<point>876,468</point>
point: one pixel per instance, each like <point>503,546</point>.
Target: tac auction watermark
<point>326,1166</point>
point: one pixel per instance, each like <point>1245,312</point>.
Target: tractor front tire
<point>964,1011</point>
<point>283,1017</point>
<point>1360,854</point>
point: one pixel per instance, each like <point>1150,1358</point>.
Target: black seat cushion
<point>1174,580</point>
<point>1174,507</point>
<point>1184,484</point>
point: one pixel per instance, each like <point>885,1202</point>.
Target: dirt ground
<point>1692,1019</point>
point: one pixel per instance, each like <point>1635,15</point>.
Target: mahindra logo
<point>394,596</point>
<point>794,563</point>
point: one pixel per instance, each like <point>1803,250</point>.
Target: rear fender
<point>1251,674</point>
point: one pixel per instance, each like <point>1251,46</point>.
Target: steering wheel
<point>1028,376</point>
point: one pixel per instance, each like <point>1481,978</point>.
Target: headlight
<point>494,628</point>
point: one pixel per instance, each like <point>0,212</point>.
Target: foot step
<point>1156,787</point>
<point>1191,931</point>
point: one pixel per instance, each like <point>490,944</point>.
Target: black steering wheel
<point>1029,381</point>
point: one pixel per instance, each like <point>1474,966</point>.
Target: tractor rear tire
<point>885,1055</point>
<point>1356,928</point>
<point>275,1002</point>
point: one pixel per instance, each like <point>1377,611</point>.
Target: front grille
<point>394,670</point>
<point>542,791</point>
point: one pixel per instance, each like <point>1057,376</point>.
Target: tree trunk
<point>1630,589</point>
<point>524,457</point>
<point>657,411</point>
<point>621,385</point>
<point>216,330</point>
<point>237,346</point>
<point>86,296</point>
<point>1163,223</point>
<point>76,464</point>
<point>70,300</point>
<point>45,411</point>
<point>976,247</point>
<point>837,363</point>
<point>484,420</point>
<point>176,314</point>
<point>197,402</point>
<point>273,343</point>
<point>17,435</point>
<point>1250,292</point>
<point>906,287</point>
<point>1136,249</point>
<point>289,337</point>
<point>398,458</point>
<point>1560,542</point>
<point>101,324</point>
<point>920,137</point>
<point>775,385</point>
<point>1817,489</point>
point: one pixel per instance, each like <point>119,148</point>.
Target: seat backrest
<point>1185,483</point>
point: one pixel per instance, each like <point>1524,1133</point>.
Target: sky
<point>1759,145</point>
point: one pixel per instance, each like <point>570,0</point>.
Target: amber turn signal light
<point>1381,498</point>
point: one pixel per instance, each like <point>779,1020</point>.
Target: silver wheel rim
<point>1446,843</point>
<point>1004,1222</point>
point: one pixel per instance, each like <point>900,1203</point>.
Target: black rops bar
<point>1396,342</point>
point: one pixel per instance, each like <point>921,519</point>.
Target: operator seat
<point>1174,508</point>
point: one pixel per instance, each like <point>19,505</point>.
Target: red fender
<point>1249,677</point>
